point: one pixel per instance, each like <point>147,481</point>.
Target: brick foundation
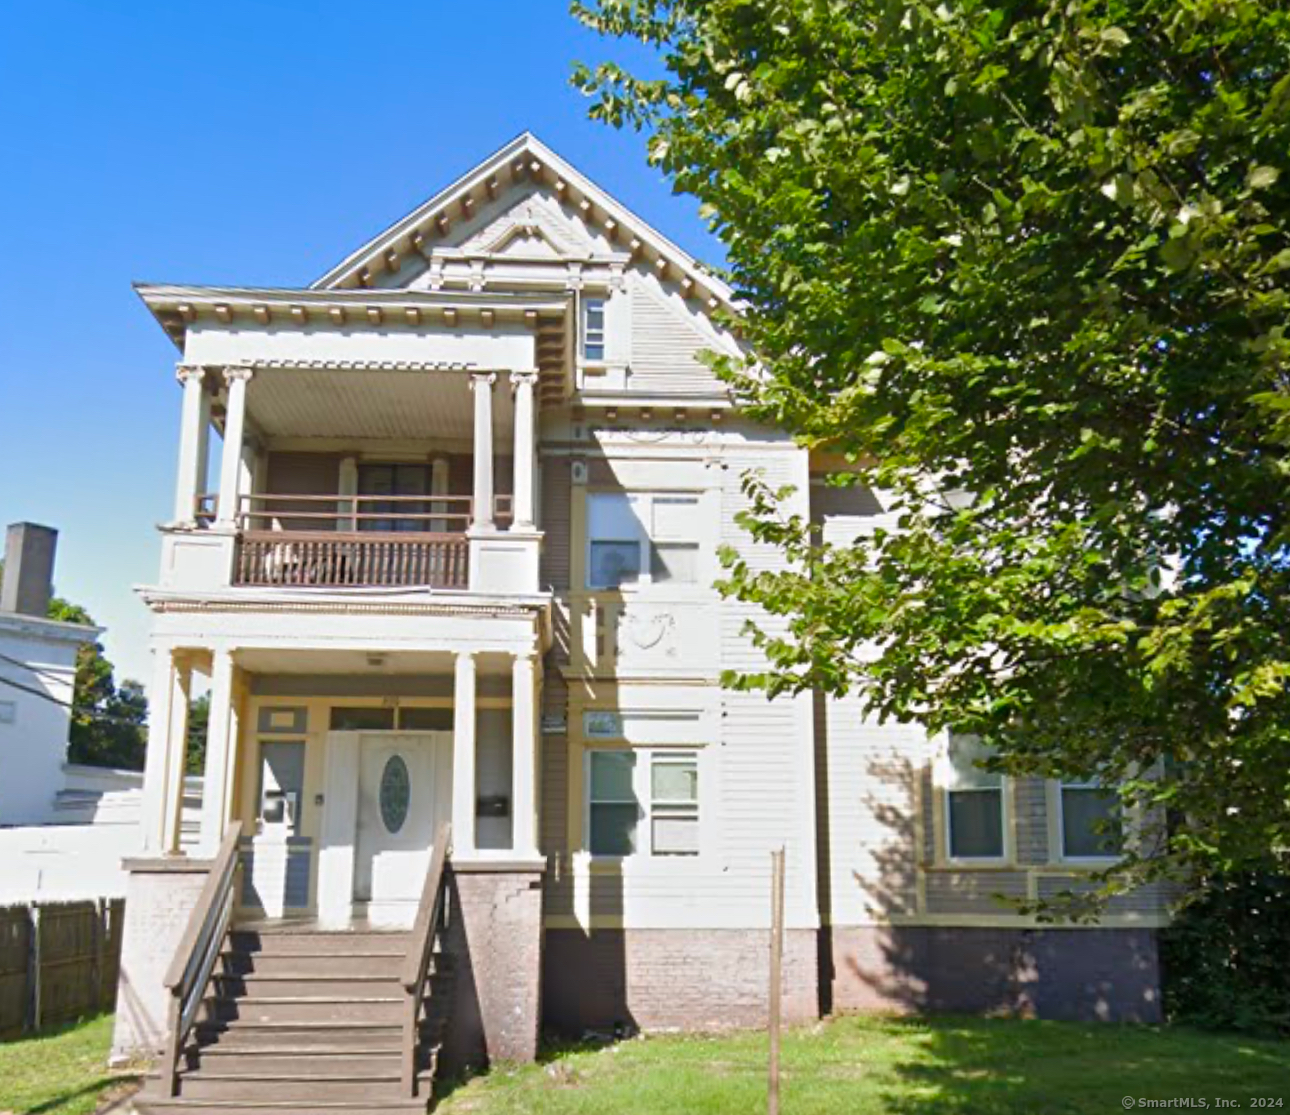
<point>494,938</point>
<point>1080,974</point>
<point>672,979</point>
<point>160,895</point>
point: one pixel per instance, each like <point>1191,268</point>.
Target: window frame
<point>1057,799</point>
<point>594,304</point>
<point>945,790</point>
<point>641,503</point>
<point>642,789</point>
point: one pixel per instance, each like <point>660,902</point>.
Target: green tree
<point>199,714</point>
<point>109,723</point>
<point>1022,267</point>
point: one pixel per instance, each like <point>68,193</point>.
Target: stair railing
<point>431,911</point>
<point>199,949</point>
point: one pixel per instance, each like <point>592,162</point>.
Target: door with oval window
<point>404,794</point>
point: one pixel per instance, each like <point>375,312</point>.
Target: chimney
<point>28,569</point>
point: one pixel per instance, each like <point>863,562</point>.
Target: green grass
<point>62,1072</point>
<point>853,1066</point>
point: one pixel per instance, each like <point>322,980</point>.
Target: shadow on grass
<point>113,1089</point>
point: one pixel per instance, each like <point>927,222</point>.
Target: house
<point>457,568</point>
<point>37,675</point>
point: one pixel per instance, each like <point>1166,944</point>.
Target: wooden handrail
<point>416,965</point>
<point>199,948</point>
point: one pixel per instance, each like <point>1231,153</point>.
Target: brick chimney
<point>28,569</point>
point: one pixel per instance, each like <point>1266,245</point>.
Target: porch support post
<point>348,507</point>
<point>220,742</point>
<point>234,429</point>
<point>172,821</point>
<point>481,383</point>
<point>525,449</point>
<point>463,755</point>
<point>193,421</point>
<point>524,754</point>
<point>157,763</point>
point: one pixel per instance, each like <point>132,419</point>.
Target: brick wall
<point>1083,974</point>
<point>672,979</point>
<point>494,940</point>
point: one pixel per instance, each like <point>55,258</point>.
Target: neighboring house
<point>458,566</point>
<point>64,827</point>
<point>37,675</point>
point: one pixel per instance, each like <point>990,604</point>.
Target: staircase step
<point>244,1034</point>
<point>282,943</point>
<point>253,987</point>
<point>178,1105</point>
<point>320,1062</point>
<point>298,1089</point>
<point>303,964</point>
<point>304,1009</point>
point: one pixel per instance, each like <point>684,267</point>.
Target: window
<point>1090,820</point>
<point>642,538</point>
<point>642,801</point>
<point>371,718</point>
<point>393,480</point>
<point>593,330</point>
<point>973,802</point>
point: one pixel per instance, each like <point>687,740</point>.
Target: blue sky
<point>243,143</point>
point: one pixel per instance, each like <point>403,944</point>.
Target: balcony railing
<point>354,540</point>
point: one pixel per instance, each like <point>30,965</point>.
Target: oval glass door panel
<point>395,794</point>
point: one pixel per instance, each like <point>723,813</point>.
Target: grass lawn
<point>63,1072</point>
<point>886,1065</point>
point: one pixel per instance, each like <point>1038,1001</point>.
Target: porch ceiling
<point>326,403</point>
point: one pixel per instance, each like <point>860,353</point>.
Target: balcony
<point>334,541</point>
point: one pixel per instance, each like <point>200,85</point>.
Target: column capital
<point>465,655</point>
<point>523,375</point>
<point>189,373</point>
<point>482,379</point>
<point>238,372</point>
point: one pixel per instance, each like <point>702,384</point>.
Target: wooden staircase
<point>303,1021</point>
<point>287,1019</point>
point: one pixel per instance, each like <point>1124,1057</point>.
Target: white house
<point>457,566</point>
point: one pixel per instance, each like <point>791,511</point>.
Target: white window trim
<point>645,543</point>
<point>641,786</point>
<point>1057,805</point>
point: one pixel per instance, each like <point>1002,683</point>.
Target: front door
<point>404,794</point>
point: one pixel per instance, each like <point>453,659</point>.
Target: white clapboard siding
<point>665,347</point>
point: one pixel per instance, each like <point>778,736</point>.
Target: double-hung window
<point>642,801</point>
<point>641,538</point>
<point>1091,824</point>
<point>974,820</point>
<point>593,330</point>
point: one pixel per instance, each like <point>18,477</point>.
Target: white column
<point>157,761</point>
<point>348,486</point>
<point>219,754</point>
<point>173,818</point>
<point>191,474</point>
<point>463,755</point>
<point>234,429</point>
<point>524,755</point>
<point>481,383</point>
<point>525,449</point>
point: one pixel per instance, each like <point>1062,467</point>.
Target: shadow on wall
<point>1083,974</point>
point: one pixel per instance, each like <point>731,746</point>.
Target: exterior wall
<point>33,730</point>
<point>1081,974</point>
<point>623,980</point>
<point>160,897</point>
<point>494,942</point>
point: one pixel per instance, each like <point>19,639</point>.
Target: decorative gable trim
<point>525,158</point>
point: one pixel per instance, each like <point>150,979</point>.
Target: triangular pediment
<point>524,203</point>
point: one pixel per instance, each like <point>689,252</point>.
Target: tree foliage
<point>1022,268</point>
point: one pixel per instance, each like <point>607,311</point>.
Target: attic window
<point>593,329</point>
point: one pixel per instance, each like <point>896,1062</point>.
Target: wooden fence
<point>58,962</point>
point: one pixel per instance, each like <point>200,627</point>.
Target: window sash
<point>986,842</point>
<point>665,553</point>
<point>593,329</point>
<point>647,820</point>
<point>1079,838</point>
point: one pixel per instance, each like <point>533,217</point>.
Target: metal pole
<point>776,974</point>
